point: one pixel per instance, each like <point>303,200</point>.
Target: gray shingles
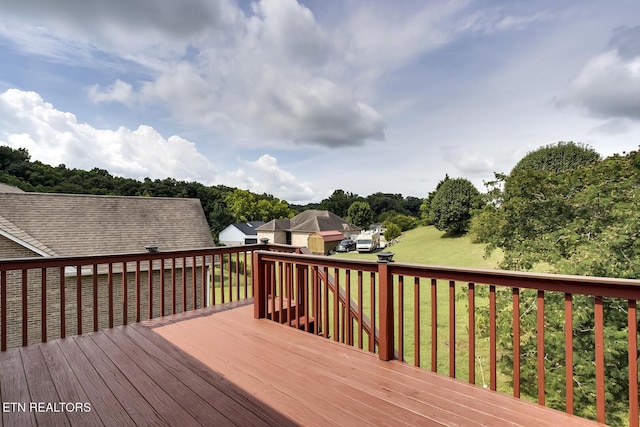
<point>89,225</point>
<point>309,221</point>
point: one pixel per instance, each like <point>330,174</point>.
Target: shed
<point>322,242</point>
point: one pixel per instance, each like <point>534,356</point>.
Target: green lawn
<point>426,245</point>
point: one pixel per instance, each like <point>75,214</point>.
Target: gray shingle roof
<point>6,188</point>
<point>66,224</point>
<point>248,228</point>
<point>16,234</point>
<point>309,221</point>
<point>275,225</point>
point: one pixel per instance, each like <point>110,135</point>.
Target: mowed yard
<point>426,245</point>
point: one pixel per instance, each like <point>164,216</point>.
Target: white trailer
<point>368,241</point>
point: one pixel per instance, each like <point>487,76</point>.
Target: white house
<point>242,233</point>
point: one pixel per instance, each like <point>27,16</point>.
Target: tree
<point>360,214</point>
<point>14,162</point>
<point>581,221</point>
<point>393,232</point>
<point>384,202</point>
<point>412,205</point>
<point>247,206</point>
<point>557,158</point>
<point>425,207</point>
<point>451,207</point>
<point>339,202</point>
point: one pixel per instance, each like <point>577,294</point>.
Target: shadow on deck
<point>220,366</point>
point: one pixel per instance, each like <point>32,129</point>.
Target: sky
<point>299,98</point>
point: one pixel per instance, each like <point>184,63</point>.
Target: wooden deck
<point>220,366</point>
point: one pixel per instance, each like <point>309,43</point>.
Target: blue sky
<point>298,99</point>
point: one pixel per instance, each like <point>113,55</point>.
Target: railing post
<point>259,287</point>
<point>385,345</point>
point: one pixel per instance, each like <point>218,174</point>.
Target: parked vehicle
<point>368,241</point>
<point>346,245</point>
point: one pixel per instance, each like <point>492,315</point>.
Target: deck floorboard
<point>220,366</point>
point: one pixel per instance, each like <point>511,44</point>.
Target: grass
<point>426,245</point>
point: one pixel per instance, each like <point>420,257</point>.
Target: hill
<point>426,245</point>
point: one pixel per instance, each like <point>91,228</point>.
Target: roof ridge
<point>113,196</point>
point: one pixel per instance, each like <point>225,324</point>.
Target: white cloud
<point>264,175</point>
<point>119,91</point>
<point>275,74</point>
<point>56,137</point>
<point>608,86</point>
<point>271,76</point>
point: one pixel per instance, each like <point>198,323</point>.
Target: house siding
<point>231,236</point>
<point>275,237</point>
<point>11,249</point>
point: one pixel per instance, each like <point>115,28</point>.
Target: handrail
<point>366,321</point>
<point>390,285</point>
<point>523,279</point>
<point>105,290</point>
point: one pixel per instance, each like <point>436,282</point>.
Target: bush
<point>405,222</point>
<point>393,232</point>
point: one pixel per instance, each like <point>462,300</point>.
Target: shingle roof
<point>329,236</point>
<point>8,229</point>
<point>248,228</point>
<point>315,220</point>
<point>6,188</point>
<point>66,224</point>
<point>275,225</point>
<point>309,221</point>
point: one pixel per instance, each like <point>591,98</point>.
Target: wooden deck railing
<point>400,303</point>
<point>48,298</point>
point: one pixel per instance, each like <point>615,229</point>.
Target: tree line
<point>222,205</point>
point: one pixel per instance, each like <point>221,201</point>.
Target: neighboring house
<point>46,225</point>
<point>242,233</point>
<point>296,231</point>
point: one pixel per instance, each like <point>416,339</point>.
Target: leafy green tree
<point>247,206</point>
<point>581,221</point>
<point>339,202</point>
<point>219,217</point>
<point>452,204</point>
<point>557,158</point>
<point>425,207</point>
<point>412,205</point>
<point>14,162</point>
<point>360,214</point>
<point>483,223</point>
<point>392,232</point>
<point>384,202</point>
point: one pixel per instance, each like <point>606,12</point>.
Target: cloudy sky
<point>299,98</point>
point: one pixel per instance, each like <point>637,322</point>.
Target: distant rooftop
<point>310,221</point>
